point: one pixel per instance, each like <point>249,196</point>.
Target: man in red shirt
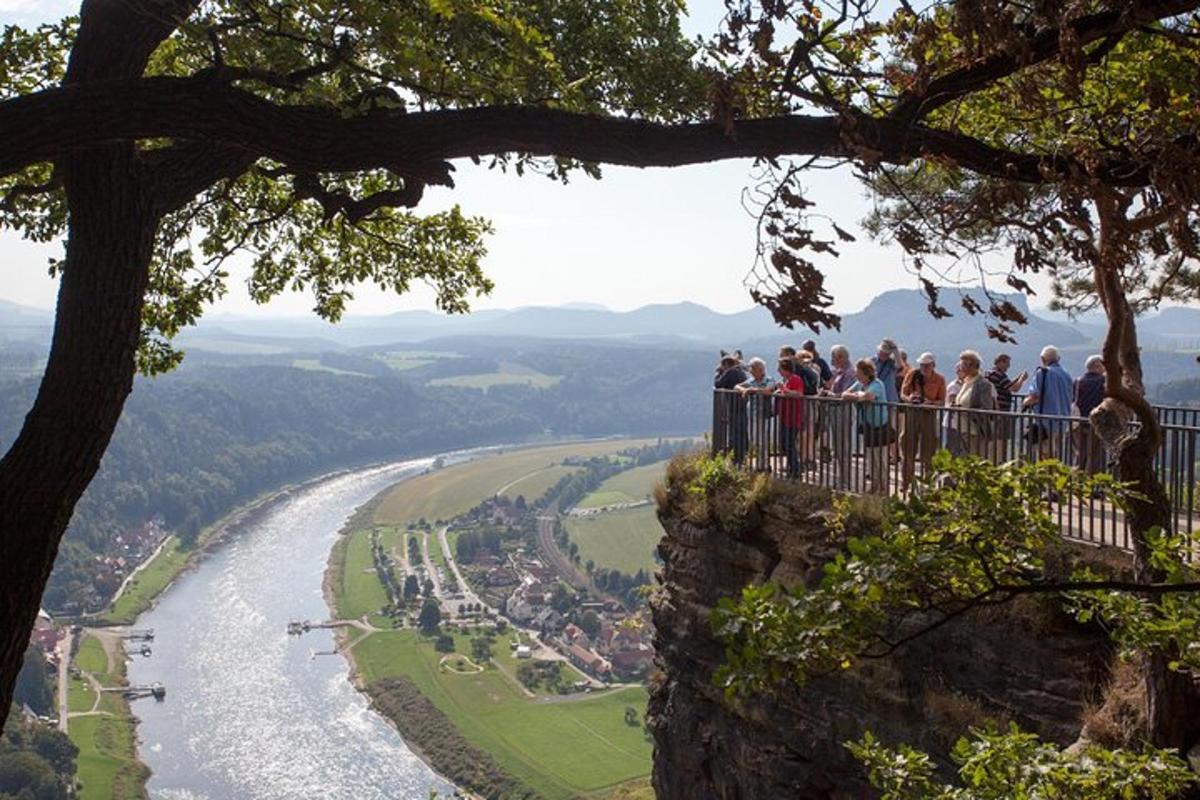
<point>924,390</point>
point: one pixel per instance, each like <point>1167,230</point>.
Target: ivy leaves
<point>973,533</point>
<point>1013,765</point>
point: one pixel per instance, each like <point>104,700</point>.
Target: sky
<point>633,238</point>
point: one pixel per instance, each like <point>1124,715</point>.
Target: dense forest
<point>195,443</point>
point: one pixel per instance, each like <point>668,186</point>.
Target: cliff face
<point>1026,663</point>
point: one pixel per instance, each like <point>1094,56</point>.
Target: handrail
<point>828,441</point>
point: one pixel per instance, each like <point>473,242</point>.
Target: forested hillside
<point>194,444</point>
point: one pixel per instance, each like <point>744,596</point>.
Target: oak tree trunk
<point>1172,698</point>
<point>88,377</point>
<point>89,374</point>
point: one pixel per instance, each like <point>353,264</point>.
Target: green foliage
<point>1013,765</point>
<point>973,532</point>
<point>36,762</point>
<point>1140,623</point>
<point>430,617</point>
<point>444,644</point>
<point>35,683</point>
<point>326,231</point>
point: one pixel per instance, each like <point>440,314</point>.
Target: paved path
<point>514,482</point>
<point>64,658</point>
<point>468,593</point>
<point>431,571</point>
<point>400,551</point>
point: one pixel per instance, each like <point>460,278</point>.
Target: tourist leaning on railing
<point>975,394</point>
<point>790,410</point>
<point>924,392</point>
<point>877,434</point>
<point>1051,395</point>
<point>757,390</point>
<point>953,439</point>
<point>730,375</point>
<point>839,421</point>
<point>1089,393</point>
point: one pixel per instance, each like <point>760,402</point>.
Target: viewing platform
<point>833,449</point>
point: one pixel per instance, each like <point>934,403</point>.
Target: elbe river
<point>251,712</point>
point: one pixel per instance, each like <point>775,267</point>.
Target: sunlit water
<point>249,712</point>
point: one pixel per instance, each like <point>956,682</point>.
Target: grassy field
<point>623,539</point>
<point>404,360</point>
<point>629,486</point>
<point>561,749</point>
<point>146,585</point>
<point>448,492</point>
<point>107,764</point>
<point>315,365</point>
<point>360,592</point>
<point>536,484</point>
<point>508,373</point>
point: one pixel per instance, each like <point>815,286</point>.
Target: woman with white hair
<point>840,417</point>
<point>757,390</point>
<point>977,397</point>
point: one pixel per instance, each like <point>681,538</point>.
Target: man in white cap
<point>924,390</point>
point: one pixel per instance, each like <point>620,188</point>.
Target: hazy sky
<point>635,237</point>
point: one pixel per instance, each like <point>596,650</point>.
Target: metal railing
<point>879,449</point>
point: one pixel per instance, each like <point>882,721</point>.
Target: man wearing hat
<point>924,392</point>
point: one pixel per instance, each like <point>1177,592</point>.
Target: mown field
<point>536,484</point>
<point>107,765</point>
<point>146,585</point>
<point>629,486</point>
<point>508,373</point>
<point>560,749</point>
<point>448,492</point>
<point>623,539</point>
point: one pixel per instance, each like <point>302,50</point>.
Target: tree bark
<point>97,327</point>
<point>1172,697</point>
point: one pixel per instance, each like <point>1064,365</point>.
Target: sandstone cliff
<point>1025,663</point>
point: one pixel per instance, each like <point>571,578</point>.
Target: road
<point>431,571</point>
<point>64,658</point>
<point>468,593</point>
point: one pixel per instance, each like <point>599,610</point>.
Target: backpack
<point>811,378</point>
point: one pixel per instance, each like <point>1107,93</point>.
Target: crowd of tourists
<point>900,413</point>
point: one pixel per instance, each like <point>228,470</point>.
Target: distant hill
<point>900,314</point>
<point>24,323</point>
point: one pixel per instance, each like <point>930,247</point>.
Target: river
<point>250,712</point>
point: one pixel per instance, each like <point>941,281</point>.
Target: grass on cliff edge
<point>107,764</point>
<point>561,749</point>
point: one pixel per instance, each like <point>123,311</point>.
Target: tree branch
<point>1042,46</point>
<point>50,124</point>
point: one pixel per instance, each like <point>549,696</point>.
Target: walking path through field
<point>64,656</point>
<point>431,571</point>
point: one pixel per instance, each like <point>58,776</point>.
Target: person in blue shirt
<point>869,392</point>
<point>887,370</point>
<point>1051,395</point>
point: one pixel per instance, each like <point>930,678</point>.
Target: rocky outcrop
<point>1027,663</point>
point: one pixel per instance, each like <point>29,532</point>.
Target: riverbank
<point>101,723</point>
<point>155,575</point>
<point>479,728</point>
